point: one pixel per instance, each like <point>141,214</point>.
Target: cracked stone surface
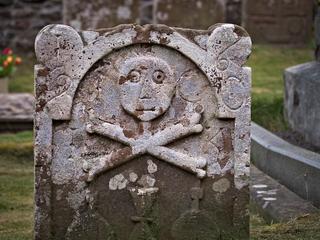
<point>142,132</point>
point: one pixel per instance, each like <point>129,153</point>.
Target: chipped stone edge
<point>296,168</point>
<point>89,48</point>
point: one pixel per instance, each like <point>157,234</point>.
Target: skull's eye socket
<point>158,76</point>
<point>134,76</point>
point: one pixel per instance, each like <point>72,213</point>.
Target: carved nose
<point>146,90</point>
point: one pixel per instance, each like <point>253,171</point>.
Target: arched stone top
<point>140,111</point>
<point>67,55</point>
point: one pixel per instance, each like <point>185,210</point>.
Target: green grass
<point>303,228</point>
<point>17,147</point>
<point>22,79</point>
<point>16,138</point>
<point>16,186</point>
<point>16,199</point>
<point>268,63</point>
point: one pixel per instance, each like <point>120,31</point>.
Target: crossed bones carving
<point>153,145</point>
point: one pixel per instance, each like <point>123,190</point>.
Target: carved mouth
<point>144,109</point>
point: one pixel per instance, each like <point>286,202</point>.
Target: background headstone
<point>234,11</point>
<point>20,21</point>
<point>100,13</point>
<point>278,21</point>
<point>199,14</point>
<point>142,133</point>
<point>302,87</point>
<point>16,112</point>
<point>317,33</point>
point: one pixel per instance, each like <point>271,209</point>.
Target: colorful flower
<point>18,60</point>
<point>7,51</point>
<point>8,62</point>
<point>9,59</point>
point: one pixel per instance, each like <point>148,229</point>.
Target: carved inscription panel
<point>148,151</point>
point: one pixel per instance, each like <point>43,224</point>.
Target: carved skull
<point>147,85</point>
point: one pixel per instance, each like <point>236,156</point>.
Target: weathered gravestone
<point>95,14</point>
<point>317,33</point>
<point>142,133</point>
<point>278,21</point>
<point>302,87</point>
<point>198,14</point>
<point>16,111</point>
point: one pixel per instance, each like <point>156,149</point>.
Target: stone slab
<point>16,112</point>
<point>234,11</point>
<point>301,103</point>
<point>199,14</point>
<point>294,167</point>
<point>275,202</point>
<point>142,132</point>
<point>22,20</point>
<point>96,14</point>
<point>317,33</point>
<point>279,21</point>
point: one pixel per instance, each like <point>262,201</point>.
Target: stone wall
<point>198,14</point>
<point>233,11</point>
<point>279,21</point>
<point>96,14</point>
<point>22,19</point>
<point>290,20</point>
<point>317,33</point>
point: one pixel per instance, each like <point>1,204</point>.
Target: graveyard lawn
<point>303,228</point>
<point>22,79</point>
<point>16,186</point>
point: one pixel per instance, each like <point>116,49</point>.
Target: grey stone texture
<point>278,21</point>
<point>317,33</point>
<point>275,202</point>
<point>296,168</point>
<point>16,111</point>
<point>142,133</point>
<point>234,11</point>
<point>199,14</point>
<point>100,13</point>
<point>21,20</point>
<point>302,86</point>
<point>301,103</point>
